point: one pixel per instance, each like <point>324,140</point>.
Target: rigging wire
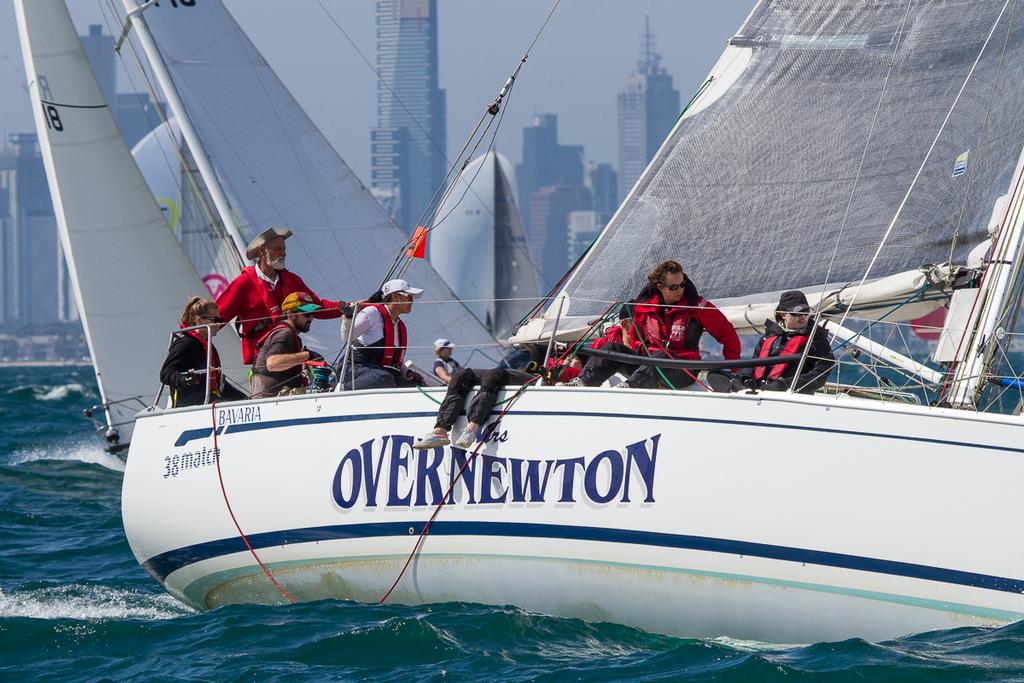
<point>211,221</point>
<point>853,192</point>
<point>446,188</point>
<point>382,81</point>
<point>920,169</point>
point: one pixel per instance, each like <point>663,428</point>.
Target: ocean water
<point>74,604</point>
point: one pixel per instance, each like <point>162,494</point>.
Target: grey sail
<point>278,169</point>
<point>763,179</point>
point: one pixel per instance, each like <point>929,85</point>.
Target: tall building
<point>407,148</point>
<point>583,229</point>
<point>648,108</point>
<point>603,183</point>
<point>29,263</point>
<point>550,180</point>
<point>547,230</point>
<point>545,162</point>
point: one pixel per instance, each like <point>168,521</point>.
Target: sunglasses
<point>670,288</point>
<point>216,320</point>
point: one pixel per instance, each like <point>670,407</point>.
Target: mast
<point>1003,269</point>
<point>156,62</point>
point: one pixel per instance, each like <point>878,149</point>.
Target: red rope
<point>451,487</point>
<point>220,476</point>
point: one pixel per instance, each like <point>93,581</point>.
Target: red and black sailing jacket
<point>677,329</point>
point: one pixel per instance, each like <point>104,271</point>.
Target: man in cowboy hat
<point>255,296</point>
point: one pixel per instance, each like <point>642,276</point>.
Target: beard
<point>304,327</point>
<point>278,264</point>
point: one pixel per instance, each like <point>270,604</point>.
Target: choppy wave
<point>88,452</point>
<point>89,603</point>
<point>58,392</point>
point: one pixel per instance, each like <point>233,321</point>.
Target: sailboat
<point>249,158</point>
<point>865,153</point>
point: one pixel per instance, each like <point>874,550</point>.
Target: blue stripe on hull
<point>162,565</point>
<point>204,433</point>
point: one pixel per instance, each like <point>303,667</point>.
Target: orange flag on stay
<point>418,243</point>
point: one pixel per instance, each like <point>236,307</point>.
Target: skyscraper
<point>408,145</point>
<point>28,236</point>
<point>648,108</point>
<point>550,180</point>
<point>603,183</point>
<point>545,162</point>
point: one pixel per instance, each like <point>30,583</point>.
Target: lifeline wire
<point>451,488</point>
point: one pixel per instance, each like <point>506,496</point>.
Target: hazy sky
<point>575,71</point>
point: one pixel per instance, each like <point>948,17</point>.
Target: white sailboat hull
<point>770,517</point>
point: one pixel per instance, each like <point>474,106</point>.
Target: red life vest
<point>393,353</point>
<point>793,346</point>
<point>214,373</point>
<point>261,340</point>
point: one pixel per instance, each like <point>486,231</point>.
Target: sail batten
<point>750,190</point>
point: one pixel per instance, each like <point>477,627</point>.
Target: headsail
<point>763,180</point>
<point>278,169</point>
<point>130,276</point>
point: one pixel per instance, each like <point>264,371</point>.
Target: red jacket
<point>678,329</point>
<point>257,305</point>
<point>614,334</point>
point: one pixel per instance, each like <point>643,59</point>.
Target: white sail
<point>499,283</point>
<point>130,276</point>
<point>277,168</point>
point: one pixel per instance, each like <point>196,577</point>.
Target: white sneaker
<point>432,440</point>
<point>575,382</point>
<point>467,438</point>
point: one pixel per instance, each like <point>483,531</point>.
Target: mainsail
<point>499,281</point>
<point>130,276</point>
<point>278,169</point>
<point>793,162</point>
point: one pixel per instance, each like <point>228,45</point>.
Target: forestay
<point>762,180</point>
<point>129,274</point>
<point>279,170</point>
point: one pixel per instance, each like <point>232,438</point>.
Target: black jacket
<point>187,353</point>
<point>816,368</point>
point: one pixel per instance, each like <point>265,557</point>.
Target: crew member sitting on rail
<point>184,370</point>
<point>256,295</point>
<point>280,356</point>
<point>380,340</point>
<point>788,335</point>
<point>491,382</point>
<point>445,366</point>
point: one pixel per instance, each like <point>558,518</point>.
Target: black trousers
<point>491,382</point>
<point>647,376</point>
<point>597,370</point>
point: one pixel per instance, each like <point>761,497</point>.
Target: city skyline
<point>590,44</point>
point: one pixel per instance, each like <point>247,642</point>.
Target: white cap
<point>442,343</point>
<point>399,285</point>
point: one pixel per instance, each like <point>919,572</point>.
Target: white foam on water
<point>59,392</point>
<point>88,452</point>
<point>90,603</point>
